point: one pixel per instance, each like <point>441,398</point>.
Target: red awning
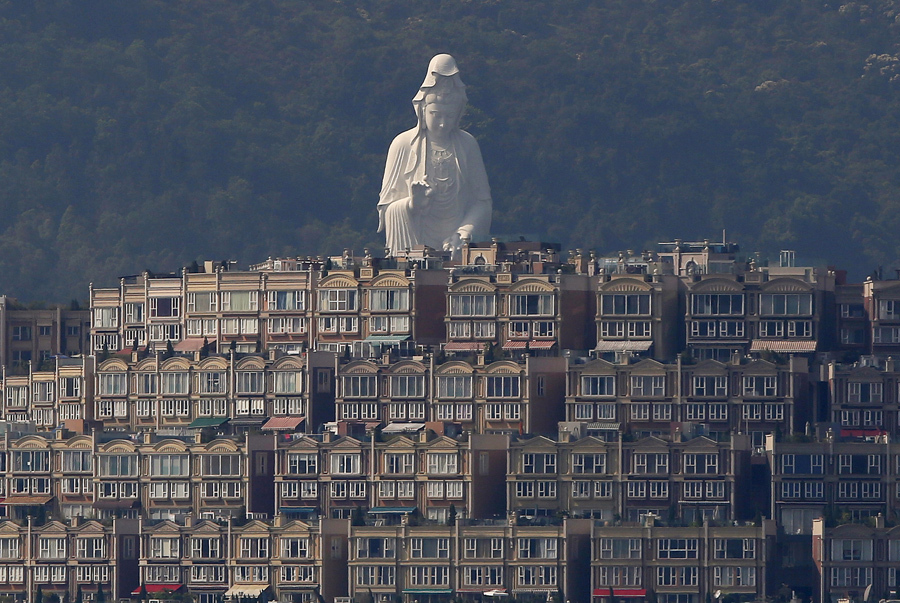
<point>283,423</point>
<point>862,433</point>
<point>621,592</point>
<point>157,588</point>
<point>515,345</point>
<point>464,346</point>
<point>541,345</point>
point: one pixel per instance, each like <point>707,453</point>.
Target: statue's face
<point>440,118</point>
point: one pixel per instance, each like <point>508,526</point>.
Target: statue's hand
<point>420,193</point>
<point>453,242</point>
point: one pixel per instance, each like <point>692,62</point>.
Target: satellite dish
<point>866,593</point>
<point>717,594</point>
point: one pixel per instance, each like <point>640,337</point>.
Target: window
<point>642,386</point>
<point>165,307</point>
<point>359,386</point>
<point>424,575</point>
<point>388,299</point>
<point>205,548</point>
<point>442,463</point>
<point>76,461</point>
<point>250,382</point>
<point>118,465</point>
<point>239,301</point>
<point>757,387</point>
<point>677,548</point>
<point>864,393</point>
<point>165,465</point>
<point>620,548</point>
<point>503,387</point>
<point>851,550</point>
<point>484,548</point>
<point>472,305</point>
<point>538,462</point>
<point>90,548</point>
<point>721,304</point>
<point>165,548</point>
<point>294,548</point>
<point>407,386</point>
<point>113,384</point>
<point>254,547</point>
<point>734,576</point>
<point>537,548</point>
<point>785,304</point>
<point>24,333</point>
<point>31,461</point>
<point>376,575</point>
<point>598,386</point>
<point>337,300</point>
<point>634,304</point>
<point>399,462</point>
<point>215,465</point>
<point>344,463</point>
<point>535,304</point>
<point>430,548</point>
<point>701,463</point>
<point>375,548</point>
<point>536,575</point>
<point>70,387</point>
<point>286,300</point>
<point>588,463</point>
<point>454,387</point>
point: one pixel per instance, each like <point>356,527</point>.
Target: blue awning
<point>289,510</point>
<point>392,510</point>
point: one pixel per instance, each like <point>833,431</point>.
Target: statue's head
<point>442,89</point>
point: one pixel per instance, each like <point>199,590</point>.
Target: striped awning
<point>782,345</point>
<point>541,344</point>
<point>623,346</point>
<point>283,423</point>
<point>464,346</point>
<point>515,345</point>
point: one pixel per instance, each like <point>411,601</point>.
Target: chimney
<point>889,365</point>
<point>148,437</point>
<point>736,358</point>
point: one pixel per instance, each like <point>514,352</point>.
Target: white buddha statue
<point>435,189</point>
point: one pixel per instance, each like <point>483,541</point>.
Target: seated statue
<point>435,189</point>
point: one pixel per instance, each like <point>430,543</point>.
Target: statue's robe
<point>467,212</point>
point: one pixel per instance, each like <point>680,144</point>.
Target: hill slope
<point>148,134</point>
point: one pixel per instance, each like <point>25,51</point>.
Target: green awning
<point>428,591</point>
<point>392,510</point>
<point>288,510</point>
<point>207,422</point>
<point>387,338</point>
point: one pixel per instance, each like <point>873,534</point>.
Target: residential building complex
<point>669,426</point>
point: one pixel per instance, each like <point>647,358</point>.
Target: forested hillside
<point>146,134</point>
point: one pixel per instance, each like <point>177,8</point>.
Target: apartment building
<point>31,337</point>
<point>62,392</point>
<point>852,560</point>
<point>680,564</point>
<point>638,314</point>
<point>505,396</point>
<point>521,296</point>
<point>679,479</point>
<point>245,391</point>
<point>469,559</point>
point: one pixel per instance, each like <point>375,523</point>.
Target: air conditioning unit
<point>259,516</point>
<point>207,515</point>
